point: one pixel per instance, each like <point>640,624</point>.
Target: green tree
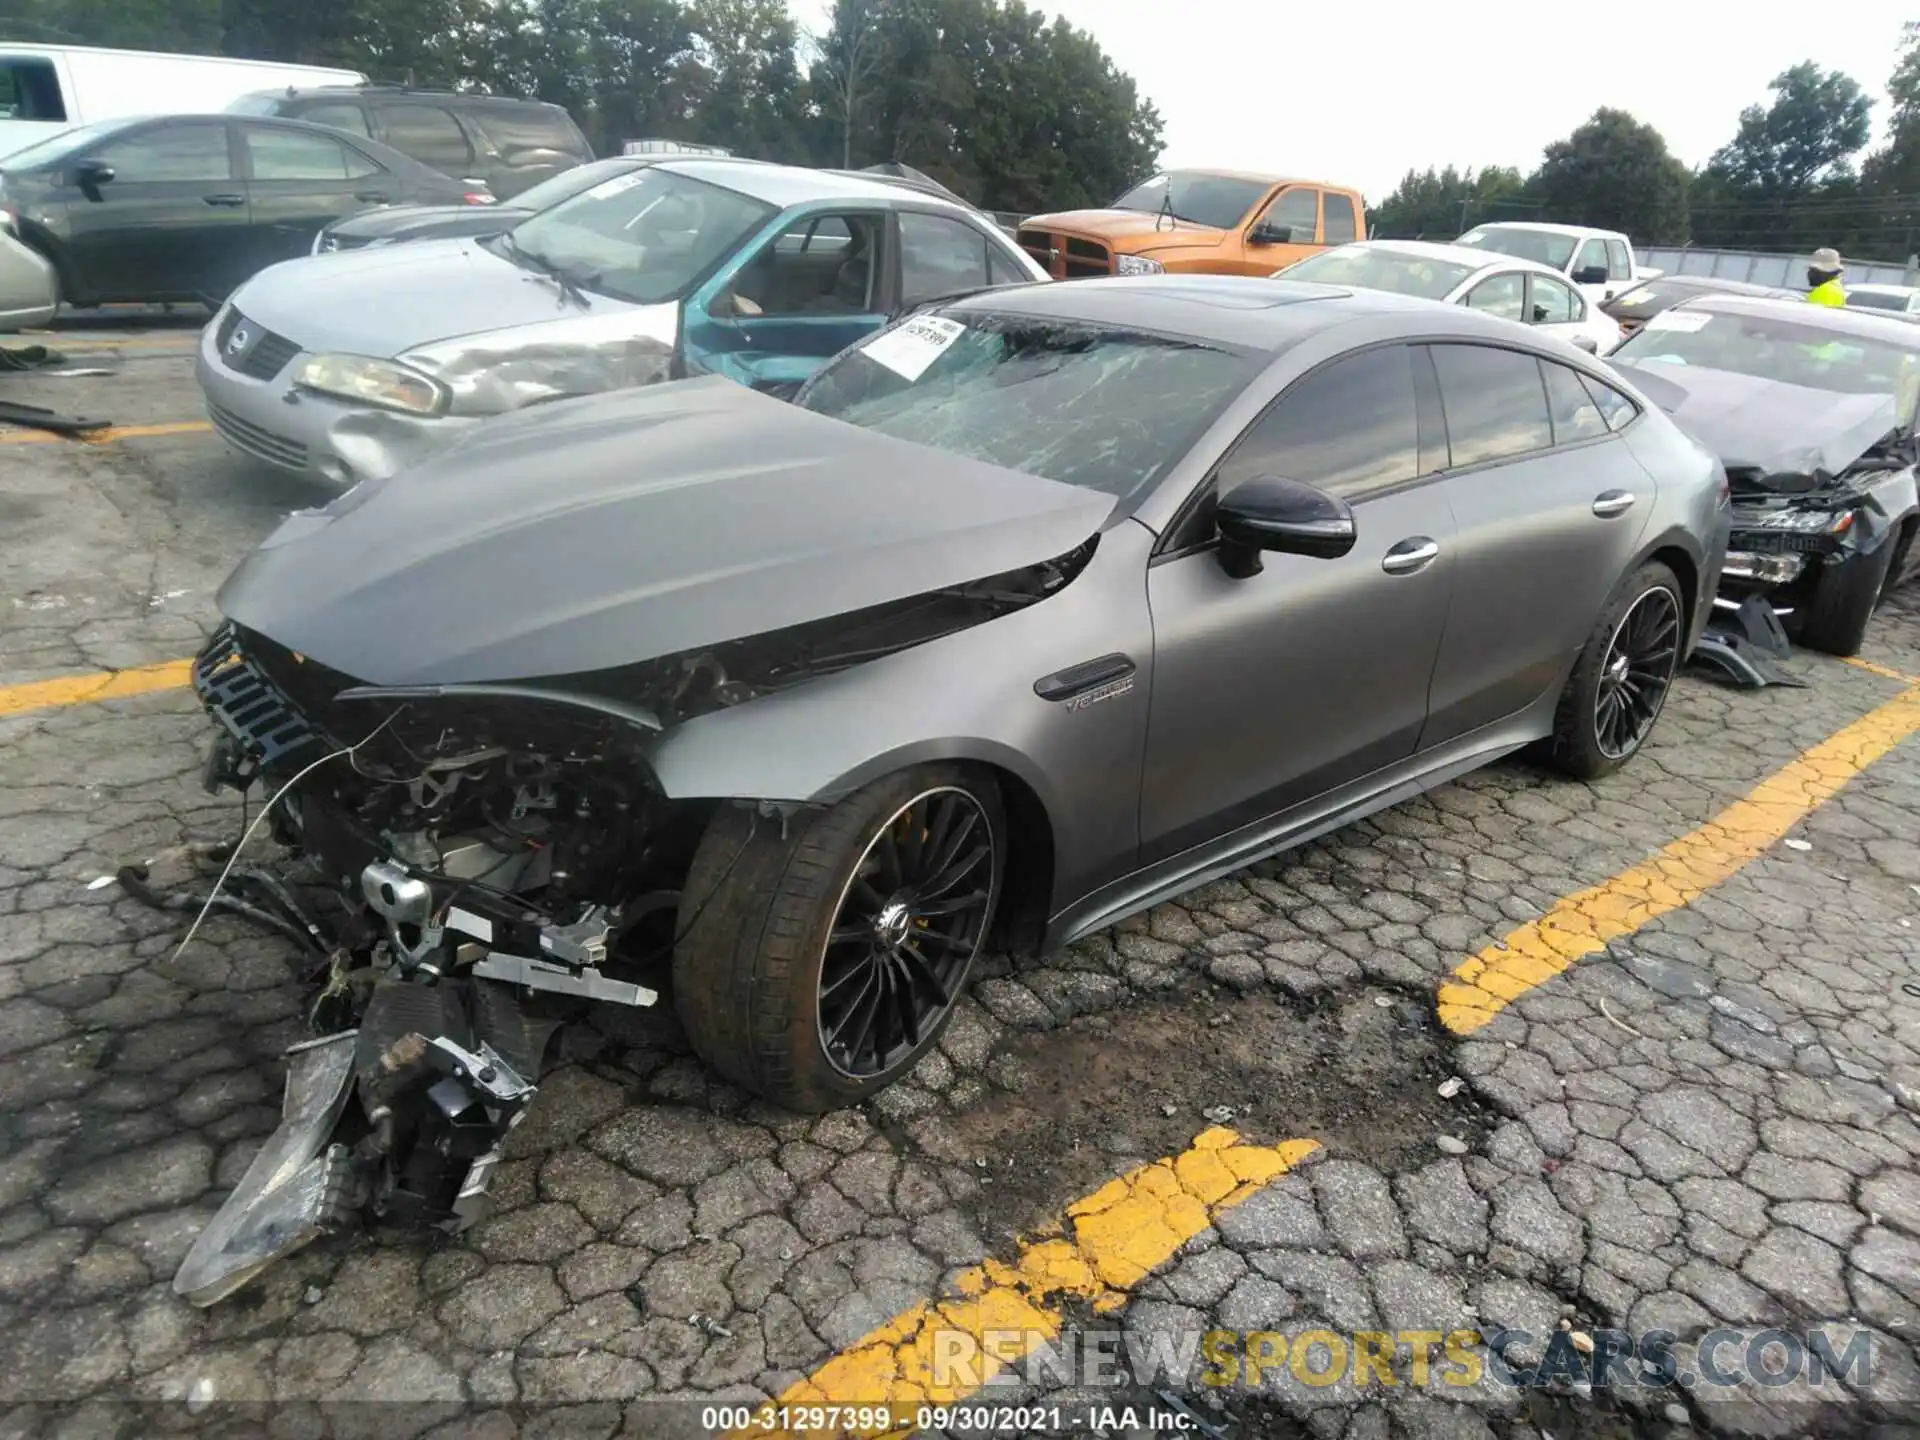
<point>986,96</point>
<point>1785,181</point>
<point>1616,173</point>
<point>1443,204</point>
<point>1818,121</point>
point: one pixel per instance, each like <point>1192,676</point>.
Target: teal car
<point>355,364</point>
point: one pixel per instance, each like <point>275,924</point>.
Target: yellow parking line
<point>107,436</point>
<point>1582,924</point>
<point>83,689</point>
<point>940,1352</point>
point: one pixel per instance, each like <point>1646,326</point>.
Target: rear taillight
<point>477,197</point>
<point>1726,489</point>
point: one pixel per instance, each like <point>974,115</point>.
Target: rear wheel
<point>1620,682</point>
<point>1844,597</point>
<point>818,968</point>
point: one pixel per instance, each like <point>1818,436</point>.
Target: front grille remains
<point>240,696</point>
<point>257,440</point>
<point>261,354</point>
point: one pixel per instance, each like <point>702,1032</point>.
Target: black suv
<point>507,144</point>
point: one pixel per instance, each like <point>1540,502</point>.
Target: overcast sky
<point>1360,96</point>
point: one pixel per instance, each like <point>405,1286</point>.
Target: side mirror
<point>1590,275</point>
<point>1586,343</point>
<point>89,173</point>
<point>1268,233</point>
<point>729,306</point>
<point>1271,513</point>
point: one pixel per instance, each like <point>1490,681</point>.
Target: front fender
<point>966,696</point>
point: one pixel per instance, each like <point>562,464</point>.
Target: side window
<point>1495,403</point>
<point>1350,427</point>
<point>1575,415</point>
<point>1338,210</point>
<point>826,266</point>
<point>1298,210</point>
<point>1500,295</point>
<point>1593,255</point>
<point>525,127</point>
<point>1618,410</point>
<point>30,90</point>
<point>296,155</point>
<point>1619,261</point>
<point>1552,302</point>
<point>1002,268</point>
<point>179,153</point>
<point>429,134</point>
<point>350,118</point>
<point>939,257</point>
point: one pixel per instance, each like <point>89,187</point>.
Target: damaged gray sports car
<point>1812,411</point>
<point>1030,611</point>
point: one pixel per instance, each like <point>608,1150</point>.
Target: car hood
<point>386,300</point>
<point>1780,437</point>
<point>619,528</point>
<point>388,221</point>
<point>1133,231</point>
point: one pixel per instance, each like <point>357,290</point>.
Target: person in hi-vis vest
<point>1823,278</point>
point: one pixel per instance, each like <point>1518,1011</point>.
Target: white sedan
<point>1503,285</point>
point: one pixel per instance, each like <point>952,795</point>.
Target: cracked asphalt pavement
<point>1710,1121</point>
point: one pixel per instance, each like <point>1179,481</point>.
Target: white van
<point>45,89</point>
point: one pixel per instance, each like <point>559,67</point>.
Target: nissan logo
<point>239,340</point>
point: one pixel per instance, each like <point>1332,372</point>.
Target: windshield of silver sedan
<point>1097,406</point>
<point>647,236</point>
<point>1366,268</point>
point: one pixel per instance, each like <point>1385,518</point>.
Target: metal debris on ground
<point>710,1325</point>
<point>38,417</point>
<point>1793,844</point>
<point>1452,1087</point>
<point>1219,1114</point>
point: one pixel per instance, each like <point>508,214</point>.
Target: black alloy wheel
<point>913,915</point>
<point>1637,672</point>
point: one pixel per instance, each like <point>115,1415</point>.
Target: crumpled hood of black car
<point>612,529</point>
<point>1793,437</point>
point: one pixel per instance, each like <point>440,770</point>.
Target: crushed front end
<point>484,862</point>
<point>478,868</point>
<point>1782,543</point>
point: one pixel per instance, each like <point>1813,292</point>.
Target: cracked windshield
<point>645,236</point>
<point>1770,348</point>
<point>1100,408</point>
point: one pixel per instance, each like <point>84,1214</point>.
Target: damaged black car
<point>1812,411</point>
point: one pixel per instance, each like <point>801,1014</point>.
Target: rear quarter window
<point>527,127</point>
<point>30,90</point>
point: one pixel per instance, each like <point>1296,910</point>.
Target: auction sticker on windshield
<point>1685,321</point>
<point>909,350</point>
<point>607,189</point>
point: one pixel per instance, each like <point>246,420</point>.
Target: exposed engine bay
<point>472,865</point>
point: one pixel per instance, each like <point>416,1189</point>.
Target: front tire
<point>1620,683</point>
<point>1844,598</point>
<point>817,967</point>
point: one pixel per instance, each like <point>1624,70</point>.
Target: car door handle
<point>227,202</point>
<point>372,197</point>
<point>1409,556</point>
<point>1613,502</point>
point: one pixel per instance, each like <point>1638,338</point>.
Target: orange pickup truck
<point>1209,222</point>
